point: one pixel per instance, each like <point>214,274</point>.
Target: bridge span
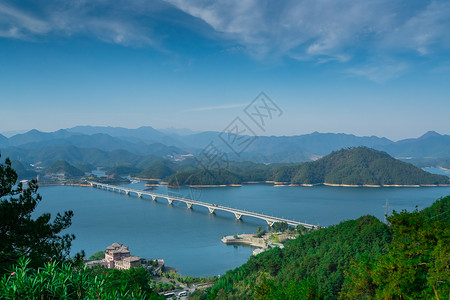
<point>238,213</point>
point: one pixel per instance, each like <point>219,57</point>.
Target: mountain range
<point>102,145</point>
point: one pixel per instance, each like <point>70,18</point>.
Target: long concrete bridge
<point>238,213</point>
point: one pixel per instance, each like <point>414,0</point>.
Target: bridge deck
<point>212,207</point>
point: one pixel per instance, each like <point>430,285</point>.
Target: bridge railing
<point>205,204</point>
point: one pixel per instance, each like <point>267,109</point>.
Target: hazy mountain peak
<point>430,133</point>
<point>178,131</point>
<point>33,131</point>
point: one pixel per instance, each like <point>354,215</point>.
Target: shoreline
<point>145,179</point>
<point>445,169</point>
<point>260,244</point>
<point>244,239</point>
<point>279,184</point>
<point>63,184</point>
<point>275,184</point>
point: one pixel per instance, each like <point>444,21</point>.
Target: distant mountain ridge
<point>429,145</point>
<point>74,155</point>
<point>146,134</point>
<point>146,140</point>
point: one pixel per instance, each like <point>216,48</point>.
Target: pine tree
<point>20,234</point>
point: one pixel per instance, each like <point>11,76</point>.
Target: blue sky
<point>362,67</point>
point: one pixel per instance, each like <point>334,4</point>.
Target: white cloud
<point>17,24</point>
<point>425,31</point>
<point>115,24</point>
<point>325,30</point>
<point>379,72</point>
<point>317,30</point>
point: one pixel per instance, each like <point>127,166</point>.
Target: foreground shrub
<point>64,281</point>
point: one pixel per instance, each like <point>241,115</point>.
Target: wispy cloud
<point>322,31</point>
<point>115,24</point>
<point>17,24</point>
<point>327,30</point>
<point>218,107</point>
<point>379,72</point>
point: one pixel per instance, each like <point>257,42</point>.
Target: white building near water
<point>117,256</point>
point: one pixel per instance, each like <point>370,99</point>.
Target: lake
<point>189,240</point>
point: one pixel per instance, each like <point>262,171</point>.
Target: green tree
<point>20,234</point>
<point>97,255</point>
<point>417,265</point>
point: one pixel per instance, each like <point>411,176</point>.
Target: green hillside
<point>204,177</point>
<point>62,166</point>
<point>157,170</point>
<point>360,165</point>
<point>351,166</point>
<point>122,170</point>
<point>357,259</point>
<point>22,171</point>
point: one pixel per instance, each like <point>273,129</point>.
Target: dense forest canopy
<point>351,166</point>
<point>62,166</point>
<point>356,259</point>
<point>361,165</point>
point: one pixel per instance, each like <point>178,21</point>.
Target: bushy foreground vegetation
<point>357,259</point>
<point>23,236</point>
<point>34,256</point>
<point>65,281</point>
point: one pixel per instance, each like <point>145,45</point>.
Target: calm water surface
<point>190,239</point>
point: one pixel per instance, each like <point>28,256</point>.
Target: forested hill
<point>350,166</point>
<point>62,166</point>
<point>357,259</point>
<point>358,166</point>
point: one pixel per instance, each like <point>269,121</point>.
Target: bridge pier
<point>190,203</point>
<point>270,223</point>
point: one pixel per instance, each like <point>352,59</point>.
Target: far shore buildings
<point>117,256</point>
